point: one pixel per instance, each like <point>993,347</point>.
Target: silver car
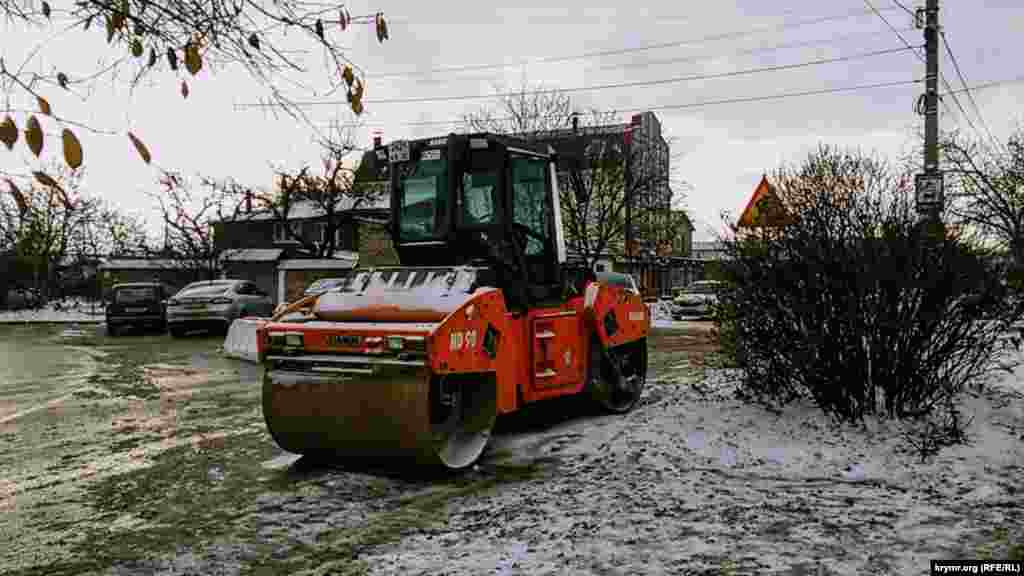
<point>214,304</point>
<point>697,300</point>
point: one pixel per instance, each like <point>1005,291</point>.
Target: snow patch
<point>69,310</point>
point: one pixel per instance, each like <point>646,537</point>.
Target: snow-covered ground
<point>67,310</point>
<point>695,481</point>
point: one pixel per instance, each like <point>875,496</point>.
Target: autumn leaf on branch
<point>34,136</point>
<point>8,132</point>
<point>72,149</point>
<point>193,61</point>
<point>140,147</point>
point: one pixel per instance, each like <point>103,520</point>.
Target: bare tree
<point>177,38</point>
<point>605,173</point>
<point>986,189</point>
<point>329,196</point>
<point>39,221</point>
<point>535,111</point>
<point>188,220</point>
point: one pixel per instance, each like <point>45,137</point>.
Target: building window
<point>289,234</point>
<point>320,232</point>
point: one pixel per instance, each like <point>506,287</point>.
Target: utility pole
<point>628,193</point>
<point>929,185</point>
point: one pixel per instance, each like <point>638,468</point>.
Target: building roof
<point>341,261</point>
<point>144,264</point>
<point>307,209</point>
<point>251,254</point>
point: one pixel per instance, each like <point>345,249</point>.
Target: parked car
<point>696,300</point>
<point>18,298</point>
<point>619,279</point>
<point>137,304</point>
<point>323,285</point>
<point>215,304</point>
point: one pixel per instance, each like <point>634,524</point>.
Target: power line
<point>705,103</point>
<point>682,106</point>
<point>618,85</point>
<point>905,9</point>
<point>619,51</point>
<point>745,52</point>
<point>949,89</point>
<point>970,96</point>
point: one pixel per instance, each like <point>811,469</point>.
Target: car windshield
<point>702,288</point>
<point>134,294</point>
<point>206,289</point>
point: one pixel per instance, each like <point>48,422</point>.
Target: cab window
<point>422,205</point>
<point>478,197</point>
<point>530,207</point>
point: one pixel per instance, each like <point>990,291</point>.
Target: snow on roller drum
<point>411,365</point>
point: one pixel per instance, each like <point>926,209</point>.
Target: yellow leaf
<point>347,75</point>
<point>357,106</point>
<point>8,132</point>
<point>184,89</point>
<point>117,20</point>
<point>140,148</point>
<point>72,149</point>
<point>137,49</point>
<point>44,106</point>
<point>193,62</point>
<point>34,136</point>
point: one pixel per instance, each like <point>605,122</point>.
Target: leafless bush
<point>850,304</point>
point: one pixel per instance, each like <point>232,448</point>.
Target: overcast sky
<point>720,150</point>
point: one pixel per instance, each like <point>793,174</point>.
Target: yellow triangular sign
<point>764,208</point>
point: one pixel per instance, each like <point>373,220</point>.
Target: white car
<point>214,304</point>
<point>697,300</point>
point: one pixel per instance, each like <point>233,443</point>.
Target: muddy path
<point>153,459</point>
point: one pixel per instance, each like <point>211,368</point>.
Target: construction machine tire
<point>396,416</point>
<point>616,376</point>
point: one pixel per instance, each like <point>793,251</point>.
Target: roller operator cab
<point>412,364</point>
